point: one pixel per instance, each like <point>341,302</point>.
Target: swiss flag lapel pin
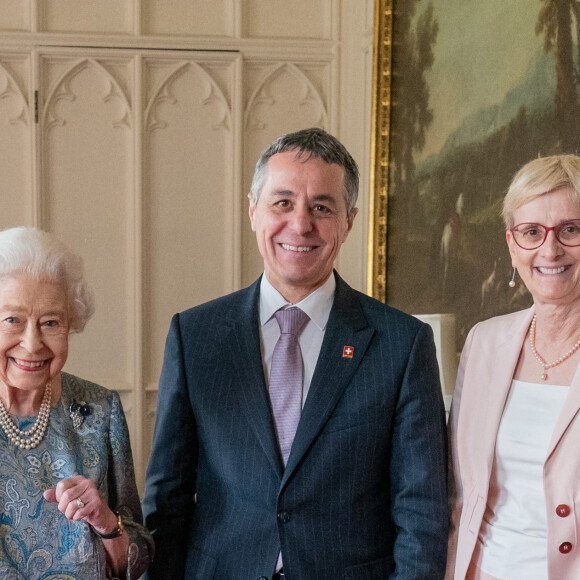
<point>347,351</point>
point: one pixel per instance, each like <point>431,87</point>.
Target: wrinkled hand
<point>94,511</point>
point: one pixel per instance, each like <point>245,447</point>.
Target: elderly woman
<point>69,506</point>
<point>515,421</point>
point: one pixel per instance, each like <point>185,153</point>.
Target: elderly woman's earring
<point>512,282</point>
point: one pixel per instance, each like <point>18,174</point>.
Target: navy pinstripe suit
<point>363,495</point>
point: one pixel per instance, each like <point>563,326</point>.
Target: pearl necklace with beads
<point>31,438</point>
<point>544,364</point>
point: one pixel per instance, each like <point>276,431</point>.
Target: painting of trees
<point>445,246</point>
<point>410,105</point>
<point>556,22</point>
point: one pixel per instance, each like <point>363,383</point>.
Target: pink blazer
<point>486,369</point>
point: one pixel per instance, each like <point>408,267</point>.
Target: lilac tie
<point>286,377</point>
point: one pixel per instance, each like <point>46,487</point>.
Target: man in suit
<point>358,489</point>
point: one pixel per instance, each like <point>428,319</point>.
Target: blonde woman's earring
<point>512,282</point>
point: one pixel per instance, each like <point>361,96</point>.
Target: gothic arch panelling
<point>10,89</point>
<point>190,179</point>
<point>286,88</point>
<point>15,142</point>
<point>87,176</point>
<point>211,95</point>
<point>61,90</point>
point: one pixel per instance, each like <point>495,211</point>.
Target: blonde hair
<point>538,177</point>
<point>42,256</point>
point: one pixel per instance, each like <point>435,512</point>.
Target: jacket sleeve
<point>418,468</point>
<point>123,495</point>
<point>171,476</point>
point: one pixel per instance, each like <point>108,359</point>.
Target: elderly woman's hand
<point>78,499</point>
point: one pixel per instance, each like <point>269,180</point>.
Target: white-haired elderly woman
<point>515,422</point>
<point>69,506</point>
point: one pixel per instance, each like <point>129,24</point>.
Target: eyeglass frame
<point>547,230</point>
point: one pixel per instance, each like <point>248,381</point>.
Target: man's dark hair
<point>309,143</point>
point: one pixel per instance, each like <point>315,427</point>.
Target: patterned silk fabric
<point>36,540</point>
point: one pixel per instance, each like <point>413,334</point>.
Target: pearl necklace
<point>544,364</point>
<point>31,438</point>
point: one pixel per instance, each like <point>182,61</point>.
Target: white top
<point>513,534</point>
<point>317,305</point>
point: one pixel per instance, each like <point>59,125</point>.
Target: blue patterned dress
<point>37,542</point>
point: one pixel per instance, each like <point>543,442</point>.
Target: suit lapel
<point>504,356</point>
<point>247,362</point>
<point>569,411</point>
<point>347,326</point>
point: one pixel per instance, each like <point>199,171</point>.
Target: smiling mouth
<point>29,364</point>
<point>298,248</point>
<point>551,270</point>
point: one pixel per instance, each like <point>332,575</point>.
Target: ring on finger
<point>80,502</point>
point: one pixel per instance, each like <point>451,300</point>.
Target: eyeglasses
<point>532,236</point>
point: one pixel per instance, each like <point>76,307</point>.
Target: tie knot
<point>291,320</point>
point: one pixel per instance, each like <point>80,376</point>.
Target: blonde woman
<point>515,424</point>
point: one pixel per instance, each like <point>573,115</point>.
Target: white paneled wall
<point>130,128</point>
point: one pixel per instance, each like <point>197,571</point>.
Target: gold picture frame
<point>380,133</point>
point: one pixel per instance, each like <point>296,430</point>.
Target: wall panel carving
<point>86,150</point>
<point>188,177</point>
<point>15,140</point>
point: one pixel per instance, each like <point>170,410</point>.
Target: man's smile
<point>297,248</point>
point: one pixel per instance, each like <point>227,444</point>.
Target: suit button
<point>565,547</point>
<point>284,517</point>
<point>563,510</point>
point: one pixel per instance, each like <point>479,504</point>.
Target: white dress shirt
<point>317,305</point>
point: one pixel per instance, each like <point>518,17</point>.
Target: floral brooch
<point>78,412</point>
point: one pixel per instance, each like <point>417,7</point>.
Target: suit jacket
<point>486,370</point>
<point>363,495</point>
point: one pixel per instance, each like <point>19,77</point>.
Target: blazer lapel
<point>247,360</point>
<point>504,356</point>
<point>569,411</point>
<point>347,326</point>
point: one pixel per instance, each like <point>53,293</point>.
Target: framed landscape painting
<point>466,92</point>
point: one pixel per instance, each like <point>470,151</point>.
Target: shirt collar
<point>317,304</point>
